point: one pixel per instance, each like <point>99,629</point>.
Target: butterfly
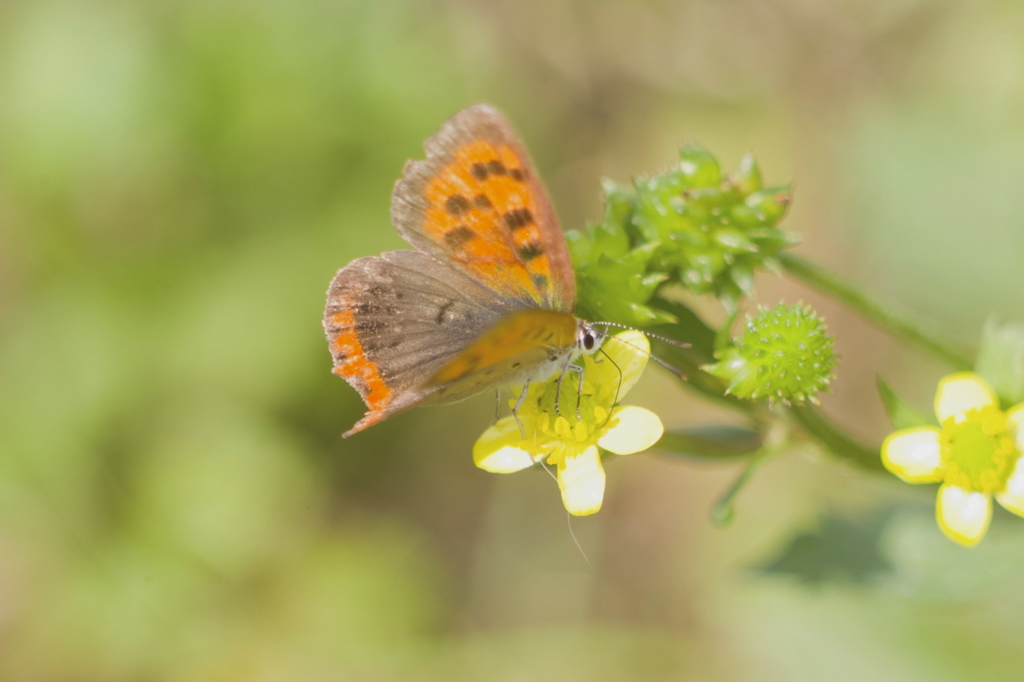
<point>484,301</point>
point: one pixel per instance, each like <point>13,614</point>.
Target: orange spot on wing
<point>355,367</point>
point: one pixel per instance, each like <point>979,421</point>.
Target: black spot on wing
<point>443,312</point>
<point>456,204</point>
<point>517,174</point>
<point>481,201</point>
<point>517,218</point>
<point>529,252</point>
<point>479,171</point>
<point>540,281</point>
<point>458,237</point>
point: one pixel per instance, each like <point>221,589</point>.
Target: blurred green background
<point>179,181</point>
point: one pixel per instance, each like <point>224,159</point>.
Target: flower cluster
<point>691,225</point>
<point>714,231</point>
<point>975,454</point>
<point>613,278</point>
<point>546,428</point>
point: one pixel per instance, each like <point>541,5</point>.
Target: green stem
<point>724,511</point>
<point>888,319</point>
<point>838,441</point>
<point>712,442</point>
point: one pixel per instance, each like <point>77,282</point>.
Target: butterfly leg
<point>558,390</point>
<point>497,404</point>
<point>579,392</point>
<point>519,403</point>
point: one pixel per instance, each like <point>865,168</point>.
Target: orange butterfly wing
<point>476,204</point>
<point>488,295</point>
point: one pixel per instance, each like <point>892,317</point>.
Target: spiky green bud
<point>783,354</point>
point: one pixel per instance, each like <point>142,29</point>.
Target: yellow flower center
<point>978,452</point>
<point>562,423</point>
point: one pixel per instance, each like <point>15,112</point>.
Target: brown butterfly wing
<point>395,320</point>
<point>477,204</point>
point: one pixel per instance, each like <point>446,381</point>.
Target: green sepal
<point>747,177</point>
<point>1000,360</point>
<point>699,167</point>
<point>901,414</point>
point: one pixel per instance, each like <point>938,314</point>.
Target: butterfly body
<point>486,299</point>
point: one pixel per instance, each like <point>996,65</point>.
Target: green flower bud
<point>713,232</point>
<point>784,354</point>
<point>613,279</point>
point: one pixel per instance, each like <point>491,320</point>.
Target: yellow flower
<point>975,454</point>
<point>569,444</point>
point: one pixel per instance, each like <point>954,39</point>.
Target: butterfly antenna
<point>672,368</point>
<point>671,342</point>
<point>568,520</point>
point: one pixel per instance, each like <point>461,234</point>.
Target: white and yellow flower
<point>975,454</point>
<point>573,446</point>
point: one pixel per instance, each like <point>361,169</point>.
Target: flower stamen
<point>978,450</point>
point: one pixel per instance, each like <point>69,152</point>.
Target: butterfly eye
<point>588,341</point>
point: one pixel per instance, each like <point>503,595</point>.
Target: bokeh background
<point>179,181</point>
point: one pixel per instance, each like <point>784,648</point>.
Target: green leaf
<point>901,414</point>
<point>1001,359</point>
<point>840,550</point>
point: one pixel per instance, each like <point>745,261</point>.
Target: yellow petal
<point>581,480</point>
<point>914,455</point>
<point>961,392</point>
<point>963,515</point>
<point>631,429</point>
<point>1012,496</point>
<point>628,352</point>
<point>499,450</point>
